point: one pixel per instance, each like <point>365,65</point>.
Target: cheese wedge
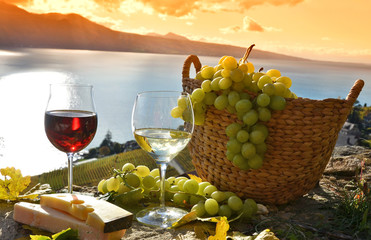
<point>100,214</point>
<point>55,221</point>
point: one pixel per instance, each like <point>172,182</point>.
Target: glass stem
<point>70,172</point>
<point>163,167</point>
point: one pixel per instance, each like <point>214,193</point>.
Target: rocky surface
<point>313,212</point>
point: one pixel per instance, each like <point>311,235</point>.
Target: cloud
<point>175,8</point>
<point>109,4</point>
<point>248,25</point>
<point>251,25</point>
<point>247,4</point>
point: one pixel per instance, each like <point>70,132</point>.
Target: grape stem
<point>247,53</point>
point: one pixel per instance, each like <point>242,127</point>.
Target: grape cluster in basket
<point>235,87</point>
<point>134,184</point>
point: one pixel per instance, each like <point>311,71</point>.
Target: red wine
<point>69,130</point>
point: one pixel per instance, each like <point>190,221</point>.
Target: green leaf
<point>68,234</point>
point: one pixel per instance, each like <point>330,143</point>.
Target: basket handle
<point>355,91</point>
<point>187,65</point>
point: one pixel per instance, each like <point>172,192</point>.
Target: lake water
<point>25,75</point>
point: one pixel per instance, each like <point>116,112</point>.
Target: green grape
<point>254,87</point>
<point>128,167</point>
<point>182,103</point>
<point>269,89</point>
<point>215,84</point>
<point>100,186</point>
<point>229,194</point>
<point>247,80</point>
<point>225,210</point>
<point>113,184</point>
<point>155,172</point>
<point>243,106</point>
<point>209,98</point>
<point>142,170</point>
<point>123,188</point>
<point>225,73</point>
<point>225,83</point>
<point>255,161</point>
<point>171,180</point>
<point>287,93</point>
<point>174,188</point>
<point>260,127</point>
<point>264,114</point>
<point>244,95</point>
<point>256,76</point>
<point>221,60</point>
<point>180,183</point>
<point>230,155</point>
<point>148,181</point>
<point>238,86</point>
<point>211,206</point>
<point>176,112</point>
<point>201,187</point>
<point>237,75</point>
<point>261,148</point>
<point>218,73</point>
<point>199,208</point>
<point>180,178</point>
<point>264,80</point>
<point>198,95</point>
<point>248,149</point>
<point>167,184</point>
<point>233,98</point>
<point>277,103</point>
<point>273,73</point>
<point>243,67</point>
<point>190,186</point>
<point>234,146</point>
<point>218,67</point>
<point>235,203</point>
<point>206,86</point>
<point>219,196</point>
<point>242,136</point>
<point>231,109</point>
<point>285,80</point>
<point>194,199</point>
<point>263,100</point>
<point>207,72</point>
<point>132,179</point>
<point>199,107</point>
<point>208,190</point>
<point>251,204</point>
<point>250,67</point>
<point>240,162</point>
<point>279,89</point>
<point>257,137</point>
<point>180,199</point>
<point>199,77</point>
<point>229,63</point>
<point>104,187</point>
<point>221,102</point>
<point>199,118</point>
<point>232,129</point>
<point>251,117</point>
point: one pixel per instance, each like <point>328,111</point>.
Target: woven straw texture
<point>300,143</point>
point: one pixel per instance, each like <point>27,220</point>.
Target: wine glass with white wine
<point>162,132</point>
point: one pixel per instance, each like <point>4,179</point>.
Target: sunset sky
<point>336,30</point>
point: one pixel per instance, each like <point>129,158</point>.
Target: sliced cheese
<point>99,214</point>
<point>55,221</point>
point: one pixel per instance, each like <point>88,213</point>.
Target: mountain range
<point>19,28</point>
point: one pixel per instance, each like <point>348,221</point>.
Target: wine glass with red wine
<point>70,120</point>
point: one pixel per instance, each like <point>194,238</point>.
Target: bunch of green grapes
<point>227,86</point>
<point>134,184</point>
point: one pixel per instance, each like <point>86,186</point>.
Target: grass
<point>90,173</point>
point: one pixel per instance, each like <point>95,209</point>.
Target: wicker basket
<point>300,143</point>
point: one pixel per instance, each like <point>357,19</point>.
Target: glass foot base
<point>162,217</point>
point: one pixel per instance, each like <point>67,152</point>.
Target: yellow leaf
<point>198,179</point>
<point>13,183</point>
<point>266,235</point>
<point>189,217</point>
<point>222,228</point>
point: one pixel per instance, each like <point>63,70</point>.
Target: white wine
<point>162,144</point>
